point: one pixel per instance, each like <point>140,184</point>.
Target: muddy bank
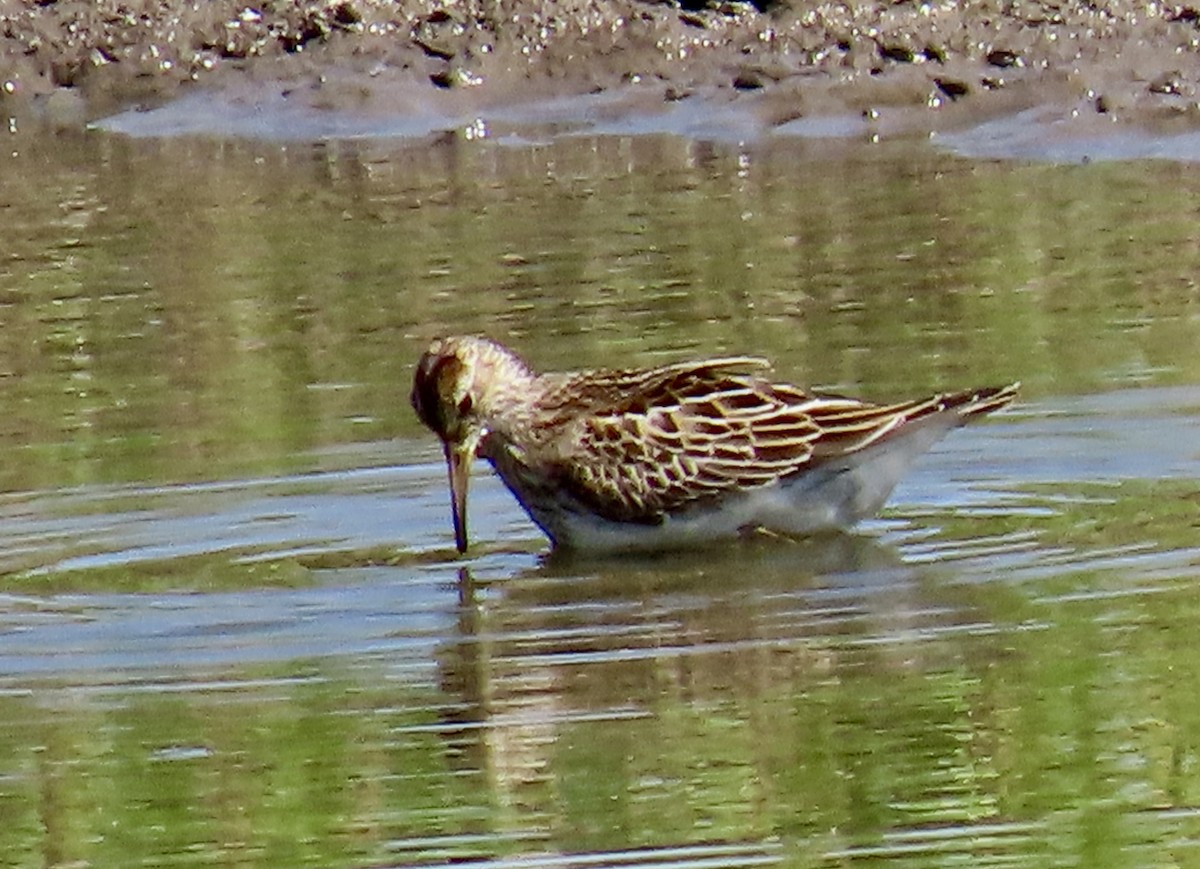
<point>940,63</point>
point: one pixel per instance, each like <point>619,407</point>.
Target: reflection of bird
<point>671,456</point>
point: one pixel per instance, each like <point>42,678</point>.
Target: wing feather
<point>637,445</point>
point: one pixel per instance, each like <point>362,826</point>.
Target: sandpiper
<point>677,455</point>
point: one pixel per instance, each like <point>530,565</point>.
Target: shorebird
<point>677,455</point>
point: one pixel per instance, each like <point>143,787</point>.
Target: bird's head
<point>455,387</point>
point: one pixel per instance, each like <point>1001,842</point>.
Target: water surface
<point>233,629</point>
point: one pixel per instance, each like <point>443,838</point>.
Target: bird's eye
<point>464,406</point>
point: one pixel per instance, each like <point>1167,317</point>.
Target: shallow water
<point>233,630</point>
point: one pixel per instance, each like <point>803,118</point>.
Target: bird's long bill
<point>458,464</point>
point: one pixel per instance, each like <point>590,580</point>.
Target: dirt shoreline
<point>924,65</point>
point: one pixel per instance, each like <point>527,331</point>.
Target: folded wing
<point>662,440</point>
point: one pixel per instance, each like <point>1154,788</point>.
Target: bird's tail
<point>975,402</point>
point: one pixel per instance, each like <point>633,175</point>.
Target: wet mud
<point>897,66</point>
